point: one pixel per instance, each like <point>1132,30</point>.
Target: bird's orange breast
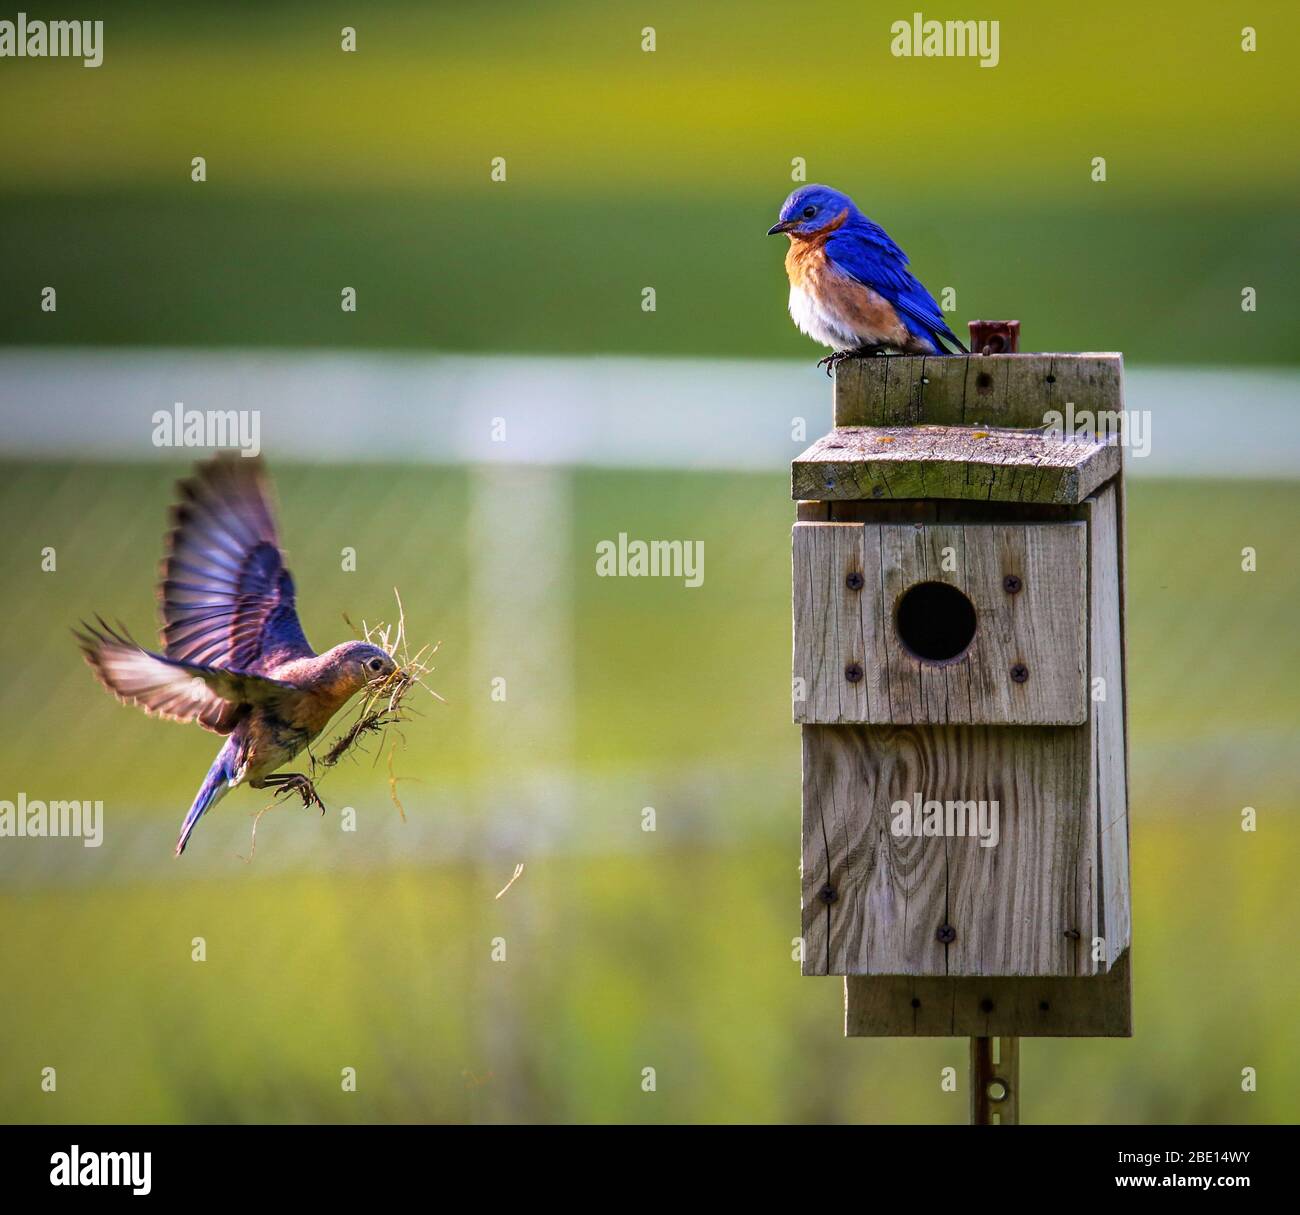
<point>866,312</point>
<point>313,709</point>
<point>855,306</point>
<point>805,260</point>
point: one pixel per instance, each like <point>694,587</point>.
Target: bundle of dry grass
<point>383,706</point>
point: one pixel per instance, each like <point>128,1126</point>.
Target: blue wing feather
<point>226,599</point>
<point>866,252</point>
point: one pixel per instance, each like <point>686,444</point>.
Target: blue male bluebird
<point>850,287</point>
<point>234,658</point>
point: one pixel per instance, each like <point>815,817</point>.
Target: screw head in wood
<point>1019,673</point>
<point>946,934</point>
<point>1012,584</point>
<point>827,894</point>
<point>853,672</point>
<point>855,581</point>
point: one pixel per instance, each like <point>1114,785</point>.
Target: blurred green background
<point>627,169</point>
<point>626,949</point>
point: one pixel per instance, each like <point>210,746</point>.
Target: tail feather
<point>213,789</point>
<point>941,337</point>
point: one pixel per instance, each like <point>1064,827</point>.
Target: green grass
<point>669,950</point>
<point>667,959</point>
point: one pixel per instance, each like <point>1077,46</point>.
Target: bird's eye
<point>376,664</point>
<point>809,212</point>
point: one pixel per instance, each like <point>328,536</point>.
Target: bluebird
<point>850,287</point>
<point>234,657</point>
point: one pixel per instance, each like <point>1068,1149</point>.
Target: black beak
<point>784,226</point>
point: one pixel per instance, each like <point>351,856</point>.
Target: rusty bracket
<point>994,337</point>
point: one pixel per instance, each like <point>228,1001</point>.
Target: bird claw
<point>299,784</point>
<point>832,361</point>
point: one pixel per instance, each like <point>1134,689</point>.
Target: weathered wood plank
<point>904,1006</point>
<point>829,558</point>
<point>866,892</point>
<point>813,512</point>
<point>1108,713</point>
<point>1041,627</point>
<point>903,392</point>
<point>1021,898</point>
<point>874,462</point>
<point>872,902</point>
<point>875,898</point>
<point>957,390</point>
<point>947,510</point>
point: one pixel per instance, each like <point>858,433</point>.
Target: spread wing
<point>866,251</point>
<point>166,687</point>
<point>226,599</point>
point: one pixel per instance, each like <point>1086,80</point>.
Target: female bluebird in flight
<point>850,287</point>
<point>234,658</point>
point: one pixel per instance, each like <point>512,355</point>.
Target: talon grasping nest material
<point>295,782</point>
<point>382,705</point>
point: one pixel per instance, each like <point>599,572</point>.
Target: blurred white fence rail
<point>625,412</point>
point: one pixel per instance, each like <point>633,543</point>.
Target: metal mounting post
<point>994,1081</point>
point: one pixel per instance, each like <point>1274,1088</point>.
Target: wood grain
<point>1108,729</point>
<point>1042,626</point>
<point>905,1006</point>
<point>974,390</point>
<point>923,459</point>
<point>825,555</point>
<point>944,510</point>
<point>873,462</point>
<point>873,901</point>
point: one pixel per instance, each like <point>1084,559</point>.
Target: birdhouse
<point>959,680</point>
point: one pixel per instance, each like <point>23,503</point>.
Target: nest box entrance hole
<point>935,622</point>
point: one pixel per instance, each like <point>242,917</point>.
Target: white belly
<point>819,323</point>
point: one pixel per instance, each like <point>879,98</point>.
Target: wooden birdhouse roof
<point>994,464</point>
<point>977,427</point>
